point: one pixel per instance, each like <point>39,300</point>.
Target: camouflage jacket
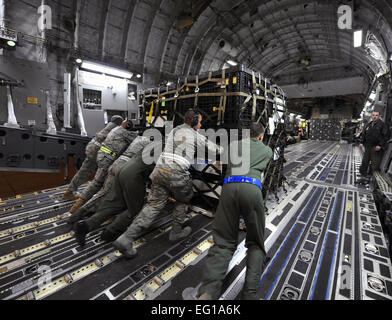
<point>95,143</point>
<point>101,135</point>
<point>181,147</point>
<point>136,146</point>
<point>117,141</point>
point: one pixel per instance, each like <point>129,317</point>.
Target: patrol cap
<point>117,120</point>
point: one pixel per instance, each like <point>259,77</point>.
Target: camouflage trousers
<point>99,179</point>
<point>165,184</point>
<point>88,167</point>
<point>125,199</point>
<point>93,204</point>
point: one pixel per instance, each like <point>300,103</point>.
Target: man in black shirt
<point>375,138</point>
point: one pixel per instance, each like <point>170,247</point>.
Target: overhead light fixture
<point>106,70</point>
<point>232,63</point>
<point>358,36</point>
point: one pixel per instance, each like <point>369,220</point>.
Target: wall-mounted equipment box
<point>103,96</point>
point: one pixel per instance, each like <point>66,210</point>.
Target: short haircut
<point>189,116</point>
<point>117,120</point>
<point>256,129</point>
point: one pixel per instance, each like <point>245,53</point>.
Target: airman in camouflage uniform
<point>94,204</point>
<point>170,178</point>
<point>124,200</point>
<point>114,145</point>
<point>89,165</point>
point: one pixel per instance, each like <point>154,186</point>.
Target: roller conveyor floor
<point>323,238</point>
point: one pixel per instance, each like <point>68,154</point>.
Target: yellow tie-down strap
<point>151,113</point>
<point>172,271</point>
<point>108,151</point>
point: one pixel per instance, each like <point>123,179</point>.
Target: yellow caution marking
<point>32,100</point>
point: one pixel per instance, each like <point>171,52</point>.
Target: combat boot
<point>69,196</point>
<point>125,246</point>
<point>81,230</point>
<point>77,205</point>
<point>177,233</point>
